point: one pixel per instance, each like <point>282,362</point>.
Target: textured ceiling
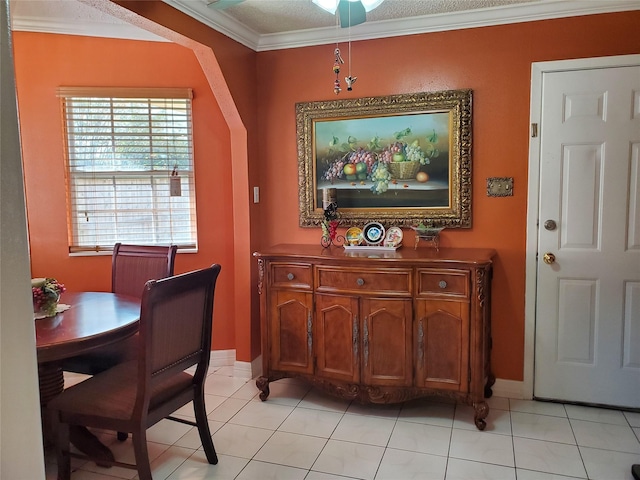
<point>276,16</point>
<point>277,24</point>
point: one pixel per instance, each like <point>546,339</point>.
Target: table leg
<point>51,381</point>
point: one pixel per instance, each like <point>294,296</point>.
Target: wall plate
<point>500,187</point>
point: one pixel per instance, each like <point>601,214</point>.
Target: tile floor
<point>301,433</point>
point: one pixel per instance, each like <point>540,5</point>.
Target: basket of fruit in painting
<point>404,170</point>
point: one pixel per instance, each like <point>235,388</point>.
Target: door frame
<point>538,69</point>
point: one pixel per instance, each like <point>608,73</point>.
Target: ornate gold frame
<point>455,103</point>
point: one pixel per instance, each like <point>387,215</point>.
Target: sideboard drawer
<point>388,281</point>
<point>443,283</point>
<point>296,275</point>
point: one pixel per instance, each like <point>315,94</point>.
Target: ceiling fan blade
<point>222,4</point>
<point>356,16</point>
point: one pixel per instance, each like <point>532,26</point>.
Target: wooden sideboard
<point>380,327</point>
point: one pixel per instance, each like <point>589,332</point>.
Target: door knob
<point>548,258</point>
<point>550,225</point>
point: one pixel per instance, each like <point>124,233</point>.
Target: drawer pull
<point>360,282</point>
<point>442,284</point>
<point>290,276</point>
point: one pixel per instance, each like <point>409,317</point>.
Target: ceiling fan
<point>350,12</point>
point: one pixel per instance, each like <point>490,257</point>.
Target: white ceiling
<point>277,24</point>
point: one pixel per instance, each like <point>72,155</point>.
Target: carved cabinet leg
<point>482,410</point>
<point>263,385</point>
<point>488,392</point>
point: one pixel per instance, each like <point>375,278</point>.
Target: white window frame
<point>129,167</point>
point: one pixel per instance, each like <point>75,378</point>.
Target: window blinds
<point>129,159</point>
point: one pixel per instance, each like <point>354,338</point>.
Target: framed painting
<point>401,160</point>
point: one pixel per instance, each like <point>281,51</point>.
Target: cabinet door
<point>386,341</point>
<point>442,344</point>
<point>290,328</point>
<point>336,337</point>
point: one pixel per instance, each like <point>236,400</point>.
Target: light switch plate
<point>500,187</point>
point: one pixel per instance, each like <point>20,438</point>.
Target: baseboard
<point>248,369</point>
<point>222,358</point>
<point>509,389</point>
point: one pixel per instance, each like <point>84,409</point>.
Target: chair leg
<point>203,428</point>
<point>139,440</point>
<point>62,446</point>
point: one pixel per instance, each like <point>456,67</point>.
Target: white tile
<point>196,467</point>
<point>169,460</point>
<point>323,401</point>
<point>533,406</point>
<point>430,412</point>
<point>482,447</point>
<point>592,414</point>
<point>542,427</point>
<point>605,436</point>
<point>268,471</point>
<point>291,449</point>
<point>633,418</point>
<point>349,459</point>
<point>498,403</point>
<point>533,475</point>
<point>458,469</point>
<point>498,421</point>
<point>364,429</point>
<point>400,464</point>
<point>322,476</point>
<point>417,437</point>
<point>191,439</point>
<point>390,411</point>
<point>261,415</point>
<point>211,402</point>
<point>167,432</point>
<point>248,391</point>
<point>308,421</point>
<point>239,440</point>
<point>287,393</point>
<point>549,457</point>
<point>227,409</point>
<point>223,385</point>
<point>606,465</point>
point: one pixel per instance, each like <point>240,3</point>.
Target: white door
<point>587,333</point>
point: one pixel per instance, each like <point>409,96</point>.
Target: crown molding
<point>89,29</point>
<point>227,25</point>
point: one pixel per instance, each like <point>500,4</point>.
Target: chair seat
<point>112,393</point>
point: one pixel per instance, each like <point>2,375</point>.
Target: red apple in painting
<point>349,169</point>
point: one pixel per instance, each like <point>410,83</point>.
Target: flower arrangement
<point>46,293</point>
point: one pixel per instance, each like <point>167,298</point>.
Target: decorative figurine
<point>329,225</point>
<point>350,81</point>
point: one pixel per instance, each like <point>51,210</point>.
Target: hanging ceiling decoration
<point>350,12</point>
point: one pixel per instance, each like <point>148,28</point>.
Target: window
<point>129,160</point>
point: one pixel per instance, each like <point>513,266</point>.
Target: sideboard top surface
<point>425,255</point>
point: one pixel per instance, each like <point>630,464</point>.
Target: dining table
<point>86,321</point>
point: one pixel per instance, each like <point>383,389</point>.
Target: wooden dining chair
<point>131,267</point>
<point>175,334</point>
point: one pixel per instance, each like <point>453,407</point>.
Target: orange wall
<point>43,62</point>
<point>495,62</point>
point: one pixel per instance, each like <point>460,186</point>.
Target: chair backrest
<point>176,317</point>
<point>133,265</point>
